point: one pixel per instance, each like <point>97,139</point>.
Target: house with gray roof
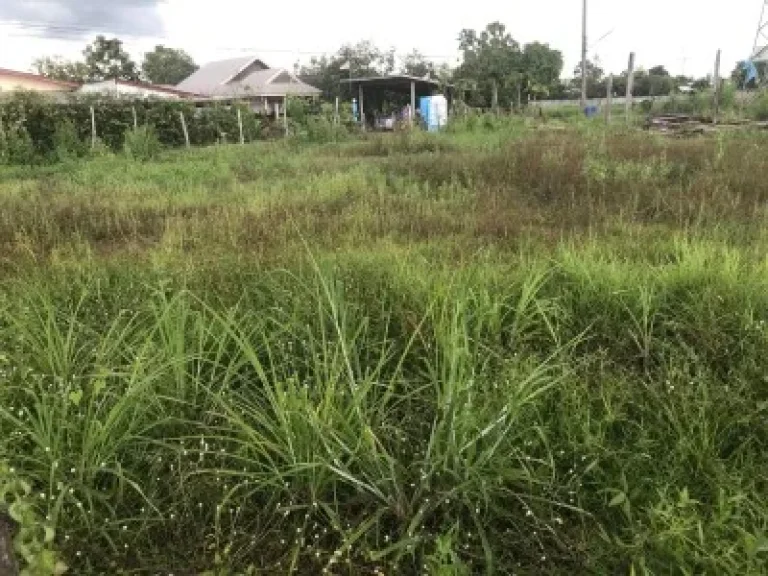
<point>249,79</point>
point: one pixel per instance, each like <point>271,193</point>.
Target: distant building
<point>126,89</point>
<point>247,79</point>
<point>13,81</point>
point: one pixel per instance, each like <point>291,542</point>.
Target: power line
<point>75,33</point>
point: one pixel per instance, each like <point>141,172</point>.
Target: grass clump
<point>142,144</point>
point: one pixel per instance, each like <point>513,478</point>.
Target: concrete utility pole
<point>630,87</point>
<point>716,95</point>
<point>584,55</point>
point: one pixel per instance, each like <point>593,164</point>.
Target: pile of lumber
<point>688,124</point>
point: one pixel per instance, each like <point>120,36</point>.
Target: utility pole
<point>716,107</point>
<point>630,87</point>
<point>584,55</point>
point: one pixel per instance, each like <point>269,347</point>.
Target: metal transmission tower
<point>584,54</point>
<point>760,46</point>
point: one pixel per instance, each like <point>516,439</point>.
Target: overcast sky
<point>683,35</point>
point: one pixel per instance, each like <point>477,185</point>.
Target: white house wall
<point>109,88</point>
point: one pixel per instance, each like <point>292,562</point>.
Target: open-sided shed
<point>375,89</point>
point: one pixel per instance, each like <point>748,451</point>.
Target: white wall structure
<point>123,88</point>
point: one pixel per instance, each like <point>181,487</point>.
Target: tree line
<point>494,69</point>
<point>107,59</point>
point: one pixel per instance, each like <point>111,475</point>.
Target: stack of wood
<point>688,124</point>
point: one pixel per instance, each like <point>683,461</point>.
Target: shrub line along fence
<point>33,128</point>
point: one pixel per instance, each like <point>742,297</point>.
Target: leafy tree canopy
<point>496,67</point>
<point>359,60</point>
<point>165,65</point>
<point>106,59</point>
<point>415,64</point>
<point>541,67</point>
<point>57,68</point>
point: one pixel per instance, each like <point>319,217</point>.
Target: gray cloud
<point>84,17</point>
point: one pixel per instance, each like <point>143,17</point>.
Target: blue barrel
<point>591,111</point>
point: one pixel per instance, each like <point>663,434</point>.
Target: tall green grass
<point>538,352</point>
<point>583,414</point>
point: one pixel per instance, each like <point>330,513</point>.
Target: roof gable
<point>284,77</point>
<point>243,78</point>
<point>211,76</point>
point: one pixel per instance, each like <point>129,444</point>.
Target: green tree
<point>359,60</point>
<point>541,69</point>
<point>651,83</point>
<point>702,83</point>
<point>492,59</point>
<point>167,65</point>
<point>415,64</point>
<point>595,80</point>
<point>57,68</point>
<point>106,59</point>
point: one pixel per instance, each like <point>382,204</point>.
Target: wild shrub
<point>322,130</point>
<point>759,108</point>
<point>16,146</point>
<point>67,143</point>
<point>142,144</point>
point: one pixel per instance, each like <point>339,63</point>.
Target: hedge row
<point>37,120</point>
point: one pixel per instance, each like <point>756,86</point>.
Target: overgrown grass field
<point>508,349</point>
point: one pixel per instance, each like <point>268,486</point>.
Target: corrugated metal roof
<point>214,74</point>
<point>216,79</point>
<point>38,78</point>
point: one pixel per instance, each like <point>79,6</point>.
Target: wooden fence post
<point>630,86</point>
<point>285,115</point>
<point>608,100</point>
<point>240,125</point>
<point>135,118</point>
<point>336,115</point>
<point>184,128</point>
<point>716,106</point>
<point>93,128</point>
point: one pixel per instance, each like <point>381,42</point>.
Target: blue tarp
<point>751,70</point>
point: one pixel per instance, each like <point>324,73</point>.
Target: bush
<point>67,143</point>
<point>321,129</point>
<point>142,144</point>
<point>298,109</point>
<point>759,109</point>
<point>16,146</point>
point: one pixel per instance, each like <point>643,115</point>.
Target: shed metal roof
<point>394,81</point>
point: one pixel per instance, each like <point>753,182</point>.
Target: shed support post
<point>413,102</point>
<point>362,109</point>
